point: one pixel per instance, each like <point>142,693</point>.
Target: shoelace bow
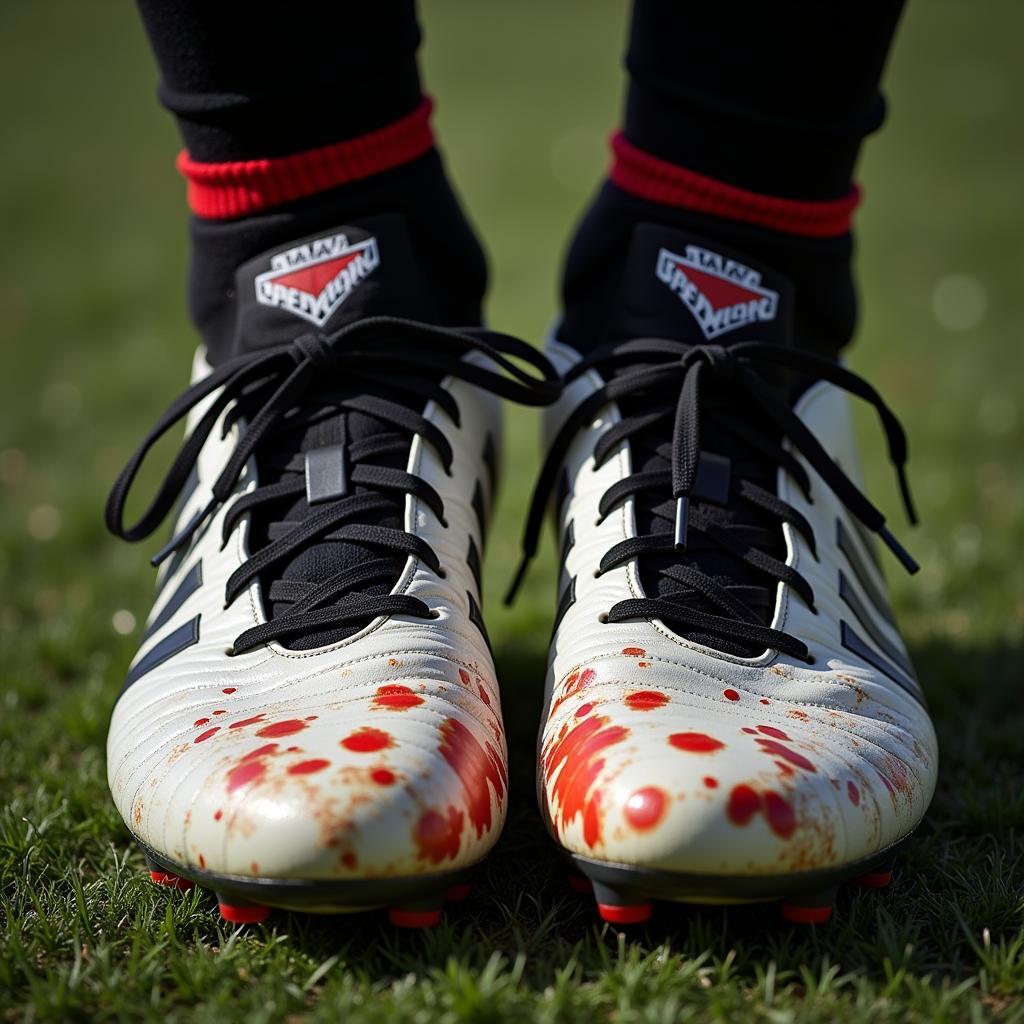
<point>375,356</point>
<point>665,365</point>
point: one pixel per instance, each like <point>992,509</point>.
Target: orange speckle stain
<point>285,728</point>
<point>853,792</point>
<point>246,772</point>
<point>743,804</point>
<point>201,721</point>
<point>644,664</point>
<point>711,782</point>
<point>478,769</point>
<point>383,776</point>
<point>396,697</point>
<point>695,742</point>
<point>730,695</point>
<point>798,714</point>
<point>776,749</point>
<point>317,764</point>
<point>206,735</point>
<point>229,689</point>
<point>646,700</point>
<point>243,722</point>
<point>254,867</point>
<point>578,756</point>
<point>634,652</point>
<point>645,808</point>
<point>438,836</point>
<point>367,740</point>
<point>202,861</point>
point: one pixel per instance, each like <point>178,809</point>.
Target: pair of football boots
<point>313,720</point>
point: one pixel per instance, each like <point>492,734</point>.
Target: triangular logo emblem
<point>722,294</point>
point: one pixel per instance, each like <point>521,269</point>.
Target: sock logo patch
<point>313,279</point>
<point>722,294</point>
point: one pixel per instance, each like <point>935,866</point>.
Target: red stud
<point>458,893</point>
<point>413,918</point>
<point>167,878</point>
<point>251,913</point>
<point>637,913</point>
<point>875,879</point>
<point>580,883</point>
<point>796,914</point>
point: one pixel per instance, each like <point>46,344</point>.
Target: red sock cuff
<point>649,177</point>
<point>222,191</point>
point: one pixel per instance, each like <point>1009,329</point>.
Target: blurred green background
<point>95,342</point>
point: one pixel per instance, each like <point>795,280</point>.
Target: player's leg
<point>731,712</point>
<point>313,719</point>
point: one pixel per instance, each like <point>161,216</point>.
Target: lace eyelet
<point>603,618</point>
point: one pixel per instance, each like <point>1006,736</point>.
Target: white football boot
<point>730,712</point>
<point>313,719</point>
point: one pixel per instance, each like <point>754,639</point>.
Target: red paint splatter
<point>206,735</point>
<point>366,740</point>
<point>220,711</point>
<point>584,709</point>
<point>217,815</point>
<point>784,769</point>
<point>383,776</point>
<point>438,836</point>
<point>498,760</point>
<point>587,676</point>
<point>243,722</point>
<point>285,728</point>
<point>753,732</point>
<point>348,858</point>
<point>267,748</point>
<point>796,713</point>
<point>312,718</point>
<point>743,804</point>
<point>695,742</point>
<point>246,772</point>
<point>578,756</point>
<point>644,664</point>
<point>853,792</point>
<point>730,695</point>
<point>765,700</point>
<point>770,730</point>
<point>202,861</point>
<point>464,676</point>
<point>396,697</point>
<point>634,652</point>
<point>483,696</point>
<point>711,782</point>
<point>779,814</point>
<point>317,764</point>
<point>645,808</point>
<point>888,784</point>
<point>229,689</point>
<point>646,700</point>
<point>777,749</point>
<point>475,767</point>
<point>292,750</point>
<point>200,721</point>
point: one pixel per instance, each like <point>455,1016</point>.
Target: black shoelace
<point>279,389</point>
<point>658,380</point>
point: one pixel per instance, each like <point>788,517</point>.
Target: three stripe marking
<point>174,643</point>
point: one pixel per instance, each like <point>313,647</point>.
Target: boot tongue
<point>680,286</point>
<point>327,280</point>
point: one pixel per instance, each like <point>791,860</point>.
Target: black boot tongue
<point>324,281</point>
<point>681,286</point>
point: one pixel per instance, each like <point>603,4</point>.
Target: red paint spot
<point>476,768</point>
<point>396,697</point>
<point>220,711</point>
<point>366,740</point>
<point>229,689</point>
<point>784,769</point>
<point>383,776</point>
<point>644,664</point>
<point>206,735</point>
<point>202,861</point>
<point>217,815</point>
<point>743,805</point>
<point>285,728</point>
<point>483,696</point>
<point>798,714</point>
<point>853,792</point>
<point>312,718</point>
<point>888,784</point>
<point>583,710</point>
<point>578,756</point>
<point>498,760</point>
<point>695,742</point>
<point>779,813</point>
<point>292,750</point>
<point>464,676</point>
<point>200,721</point>
<point>765,700</point>
<point>753,732</point>
<point>587,676</point>
<point>646,700</point>
<point>348,858</point>
<point>711,782</point>
<point>780,750</point>
<point>730,695</point>
<point>317,764</point>
<point>644,809</point>
<point>634,652</point>
<point>242,723</point>
<point>438,836</point>
<point>246,772</point>
<point>267,748</point>
<point>770,730</point>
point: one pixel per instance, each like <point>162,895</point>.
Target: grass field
<point>95,342</point>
